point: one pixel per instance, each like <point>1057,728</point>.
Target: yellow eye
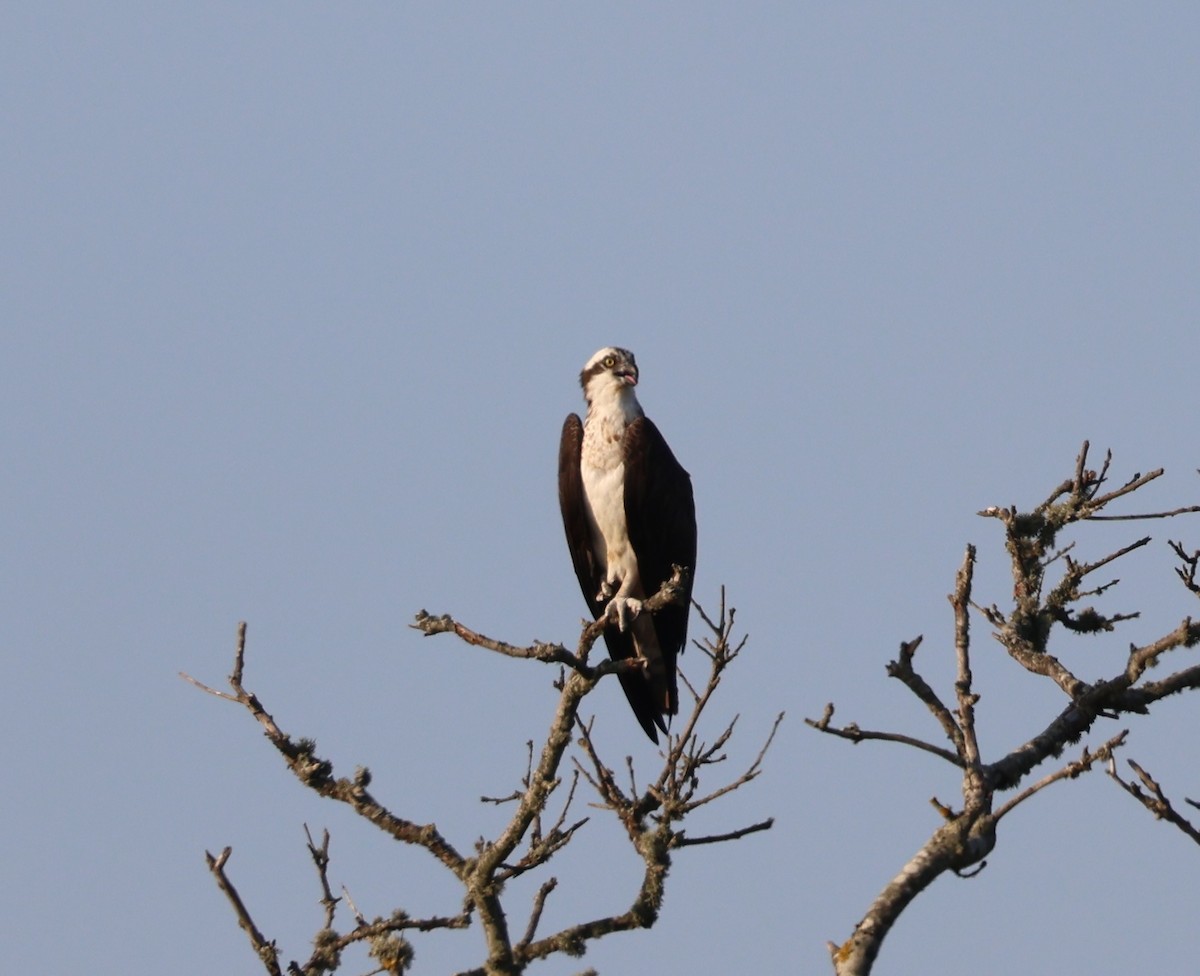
<point>609,362</point>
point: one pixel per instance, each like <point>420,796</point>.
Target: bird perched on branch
<point>629,516</point>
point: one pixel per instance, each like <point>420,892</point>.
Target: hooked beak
<point>627,376</point>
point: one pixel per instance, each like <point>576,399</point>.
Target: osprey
<point>629,515</point>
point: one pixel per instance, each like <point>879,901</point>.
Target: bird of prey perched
<point>629,515</point>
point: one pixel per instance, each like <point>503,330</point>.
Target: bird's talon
<point>625,609</point>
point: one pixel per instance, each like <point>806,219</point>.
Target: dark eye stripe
<point>608,362</point>
<point>587,374</point>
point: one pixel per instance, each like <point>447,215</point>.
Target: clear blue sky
<point>295,297</point>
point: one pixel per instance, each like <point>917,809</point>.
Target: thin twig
<point>264,949</point>
<point>539,903</point>
<point>1187,510</point>
<point>320,856</point>
<point>1155,800</point>
<point>856,735</point>
<point>682,840</point>
<point>902,669</point>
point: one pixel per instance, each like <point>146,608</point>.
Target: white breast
<point>603,471</point>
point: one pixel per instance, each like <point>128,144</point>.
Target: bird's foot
<point>625,609</point>
<point>607,589</point>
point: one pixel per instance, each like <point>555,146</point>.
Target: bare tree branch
<point>960,600</point>
<point>1025,629</point>
<point>1070,771</point>
<point>1186,510</point>
<point>320,856</point>
<point>856,735</point>
<point>652,817</point>
<point>1189,563</point>
<point>902,668</point>
<point>266,951</point>
<point>1154,800</point>
<point>317,773</point>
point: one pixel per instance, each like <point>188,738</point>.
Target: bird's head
<point>610,373</point>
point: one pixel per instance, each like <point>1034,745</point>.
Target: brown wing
<point>660,514</point>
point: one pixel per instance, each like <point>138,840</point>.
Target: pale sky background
<point>295,299</point>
